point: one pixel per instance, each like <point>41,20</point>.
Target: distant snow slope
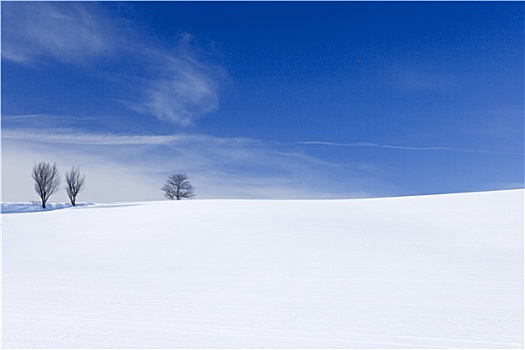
<point>413,272</point>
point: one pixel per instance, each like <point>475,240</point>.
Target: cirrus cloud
<point>66,32</point>
<point>183,86</point>
<point>176,84</point>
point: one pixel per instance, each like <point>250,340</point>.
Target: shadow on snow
<point>29,207</point>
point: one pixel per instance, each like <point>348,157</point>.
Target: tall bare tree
<point>47,180</point>
<point>177,187</point>
<point>75,183</point>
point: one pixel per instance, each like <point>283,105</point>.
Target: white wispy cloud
<point>182,87</point>
<point>75,137</point>
<point>177,84</point>
<point>408,148</point>
<point>67,32</point>
<point>218,167</point>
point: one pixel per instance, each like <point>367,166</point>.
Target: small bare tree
<point>177,187</point>
<point>75,183</point>
<point>47,180</point>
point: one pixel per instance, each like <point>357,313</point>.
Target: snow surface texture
<point>442,271</point>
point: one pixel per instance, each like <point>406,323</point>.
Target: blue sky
<point>264,99</point>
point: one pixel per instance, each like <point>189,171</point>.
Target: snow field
<point>441,271</point>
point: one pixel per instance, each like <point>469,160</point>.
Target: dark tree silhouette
<point>75,183</point>
<point>47,180</point>
<point>177,187</point>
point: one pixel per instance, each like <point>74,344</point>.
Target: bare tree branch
<point>75,183</point>
<point>177,187</point>
<point>47,180</point>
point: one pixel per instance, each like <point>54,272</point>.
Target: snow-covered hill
<point>413,272</point>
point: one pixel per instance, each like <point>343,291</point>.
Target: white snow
<point>442,271</point>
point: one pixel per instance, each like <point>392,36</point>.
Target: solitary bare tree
<point>75,183</point>
<point>47,180</point>
<point>177,187</point>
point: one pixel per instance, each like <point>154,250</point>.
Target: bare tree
<point>47,180</point>
<point>177,187</point>
<point>75,183</point>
